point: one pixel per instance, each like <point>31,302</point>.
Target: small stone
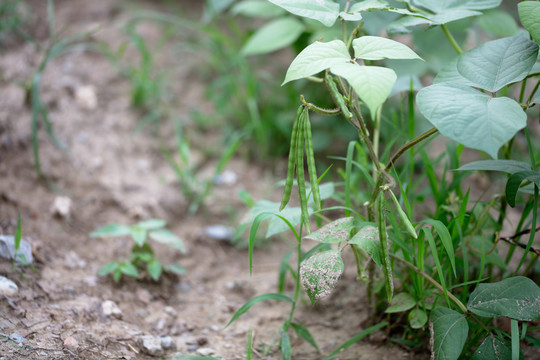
<point>73,261</point>
<point>206,351</point>
<point>150,345</point>
<point>109,308</point>
<point>220,232</point>
<point>71,343</point>
<point>61,206</point>
<point>144,295</point>
<point>19,339</point>
<point>8,287</point>
<point>215,328</point>
<point>7,249</point>
<point>226,178</point>
<point>86,97</point>
<point>167,342</point>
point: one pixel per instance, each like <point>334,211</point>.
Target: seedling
<point>142,254</point>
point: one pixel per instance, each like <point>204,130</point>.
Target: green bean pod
<point>300,171</point>
<point>312,170</point>
<point>383,242</point>
<point>292,160</point>
<point>404,218</point>
<point>338,96</point>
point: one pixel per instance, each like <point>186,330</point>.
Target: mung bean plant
<point>428,248</point>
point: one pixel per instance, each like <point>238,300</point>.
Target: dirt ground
<point>111,174</point>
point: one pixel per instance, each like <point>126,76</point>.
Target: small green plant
<point>57,46</point>
<point>10,17</point>
<point>438,269</point>
<point>142,253</point>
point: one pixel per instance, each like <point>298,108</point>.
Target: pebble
<point>167,342</point>
<point>7,249</point>
<point>19,339</point>
<point>61,206</point>
<point>8,287</point>
<point>73,261</point>
<point>206,351</point>
<point>86,97</point>
<point>220,232</point>
<point>151,345</point>
<point>192,347</point>
<point>226,178</point>
<point>109,308</point>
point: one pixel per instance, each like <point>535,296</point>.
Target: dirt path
<point>112,175</point>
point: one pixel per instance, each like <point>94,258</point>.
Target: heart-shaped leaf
<point>378,48</point>
<point>438,6</point>
<point>320,273</point>
<point>334,232</point>
<point>450,74</point>
<point>497,63</point>
<point>529,13</point>
<point>372,84</point>
<point>317,57</point>
<point>470,117</point>
<point>367,239</point>
<point>517,297</point>
<point>273,36</point>
<point>449,331</point>
<point>494,348</point>
<point>325,11</point>
<point>401,302</point>
<point>417,318</point>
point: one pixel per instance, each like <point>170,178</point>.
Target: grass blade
<point>18,233</point>
<point>446,240</point>
<point>348,170</point>
<point>255,300</point>
<point>433,247</point>
<point>515,339</point>
<point>285,345</point>
<point>304,333</point>
<point>356,338</point>
<point>249,350</point>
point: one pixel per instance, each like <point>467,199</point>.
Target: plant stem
<point>297,285</point>
<point>409,145</point>
<point>461,306</point>
<point>318,109</point>
<point>452,40</point>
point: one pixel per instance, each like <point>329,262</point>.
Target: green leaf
<point>494,348</point>
<point>450,15</point>
<point>417,318</point>
<point>271,209</point>
<point>175,269</point>
<point>470,117</point>
<point>529,13</point>
<point>498,23</point>
<point>111,230</point>
<point>401,302</point>
<point>367,239</point>
<point>355,11</point>
<point>18,233</point>
<point>320,273</point>
<point>405,25</point>
<point>152,224</point>
<point>256,8</point>
<point>255,300</point>
<point>497,63</point>
<point>275,35</point>
<point>128,269</point>
<point>108,268</point>
<point>285,345</point>
<point>514,182</point>
<point>378,48</point>
<point>138,234</point>
<point>167,237</point>
<point>438,6</point>
<point>304,333</point>
<point>154,269</point>
<point>325,11</point>
<point>446,240</point>
<point>317,57</point>
<point>372,84</point>
<point>536,99</point>
<point>449,333</point>
<point>517,297</point>
<point>362,334</point>
<point>334,232</point>
<point>506,166</point>
<point>450,73</point>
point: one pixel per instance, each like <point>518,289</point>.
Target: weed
<point>434,265</point>
<point>142,253</point>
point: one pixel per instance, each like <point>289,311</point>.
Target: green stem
<point>320,110</point>
<point>409,145</point>
<point>297,285</point>
<point>533,92</point>
<point>439,287</point>
<point>452,40</point>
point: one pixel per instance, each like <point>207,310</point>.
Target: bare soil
<point>112,174</point>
